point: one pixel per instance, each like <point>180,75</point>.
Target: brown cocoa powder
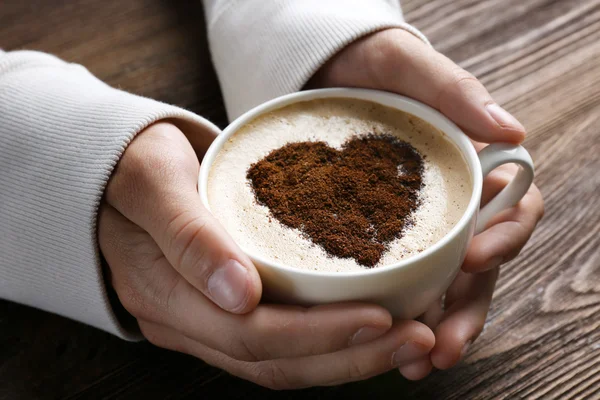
<point>352,202</point>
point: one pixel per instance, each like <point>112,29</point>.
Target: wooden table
<point>539,58</point>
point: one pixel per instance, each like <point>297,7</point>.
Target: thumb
<point>397,61</point>
<point>205,255</point>
<point>154,186</point>
<point>424,74</point>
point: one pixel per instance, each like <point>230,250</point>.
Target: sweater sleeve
<point>62,131</point>
<point>262,49</point>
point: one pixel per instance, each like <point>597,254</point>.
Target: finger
<point>506,234</point>
<point>497,180</point>
<point>155,186</point>
<point>417,370</point>
<point>275,331</point>
<point>422,73</point>
<point>405,342</point>
<point>464,319</point>
<point>458,289</point>
<point>433,315</point>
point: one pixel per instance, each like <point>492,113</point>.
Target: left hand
<point>395,60</point>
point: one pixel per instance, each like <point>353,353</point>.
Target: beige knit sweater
<point>62,131</point>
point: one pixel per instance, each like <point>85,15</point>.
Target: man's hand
<point>193,290</point>
<point>397,61</point>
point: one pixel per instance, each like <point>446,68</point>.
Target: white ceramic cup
<point>409,286</point>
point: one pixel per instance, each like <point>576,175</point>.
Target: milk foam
<point>443,198</point>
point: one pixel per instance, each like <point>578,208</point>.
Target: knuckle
<point>242,349</point>
<point>380,51</point>
<point>140,303</point>
<point>541,212</point>
<point>539,200</point>
<point>132,300</point>
<point>185,232</point>
<point>132,177</point>
<point>267,322</point>
<point>161,297</point>
<point>459,82</point>
<point>152,335</point>
<point>534,202</point>
<point>147,163</point>
<point>355,370</point>
<point>160,339</point>
<point>146,292</point>
<point>154,151</point>
<point>132,250</point>
<point>274,321</point>
<point>461,79</point>
<point>278,331</point>
<point>170,298</point>
<point>271,375</point>
<point>478,330</point>
<point>522,231</point>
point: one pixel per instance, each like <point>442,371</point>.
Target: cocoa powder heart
<point>352,202</point>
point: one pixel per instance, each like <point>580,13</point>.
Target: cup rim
<point>402,103</point>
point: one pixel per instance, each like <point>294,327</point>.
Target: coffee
<point>338,185</point>
<point>352,202</point>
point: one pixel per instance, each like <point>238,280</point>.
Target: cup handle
<point>492,157</point>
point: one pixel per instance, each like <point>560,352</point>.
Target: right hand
<point>395,60</point>
<point>191,289</point>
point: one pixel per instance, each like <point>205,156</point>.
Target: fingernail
<point>365,334</point>
<point>409,351</point>
<point>228,286</point>
<point>504,118</point>
<point>465,349</point>
<point>494,262</point>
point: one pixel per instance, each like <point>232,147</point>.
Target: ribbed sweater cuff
<point>264,52</point>
<point>62,131</point>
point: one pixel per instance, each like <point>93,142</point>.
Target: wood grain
<point>539,58</point>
